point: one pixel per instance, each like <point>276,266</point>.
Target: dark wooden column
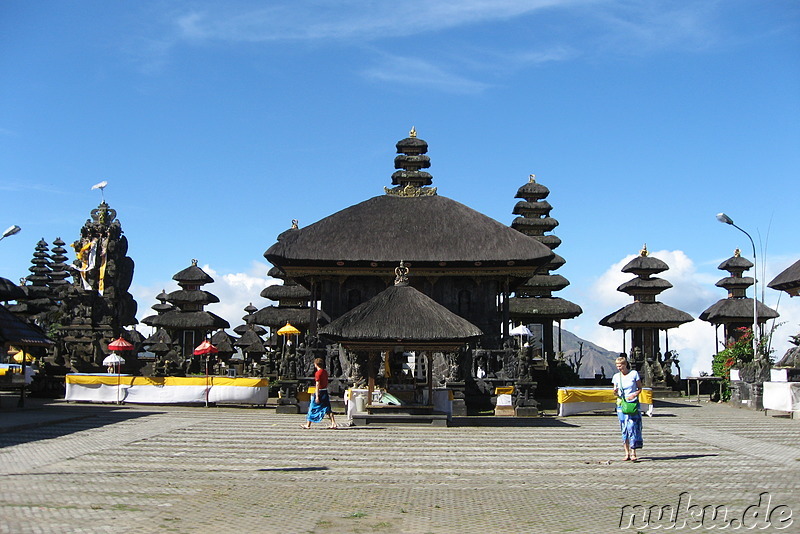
<point>312,327</point>
<point>506,309</point>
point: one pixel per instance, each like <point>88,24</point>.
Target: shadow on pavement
<point>676,457</point>
<point>488,421</point>
<point>48,421</point>
<point>659,403</point>
<point>294,469</point>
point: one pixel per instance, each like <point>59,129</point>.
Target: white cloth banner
<point>141,390</point>
<point>782,396</point>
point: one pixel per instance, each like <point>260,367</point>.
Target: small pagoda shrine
<point>735,313</point>
<point>533,302</point>
<point>645,318</point>
<point>293,304</point>
<point>250,343</point>
<point>187,322</point>
<point>225,350</point>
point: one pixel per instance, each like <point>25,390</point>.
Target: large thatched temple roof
<point>419,229</point>
<point>410,222</point>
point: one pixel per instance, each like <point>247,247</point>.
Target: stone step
<point>432,419</point>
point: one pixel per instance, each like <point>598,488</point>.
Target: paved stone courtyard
<point>68,468</point>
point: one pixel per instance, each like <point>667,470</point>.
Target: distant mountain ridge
<point>596,359</point>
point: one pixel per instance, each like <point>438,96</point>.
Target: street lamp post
<point>721,217</point>
<point>11,230</point>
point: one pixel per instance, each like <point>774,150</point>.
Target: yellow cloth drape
<point>111,380</point>
<point>597,395</point>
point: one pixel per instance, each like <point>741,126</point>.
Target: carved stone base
<point>459,408</point>
<point>527,411</point>
<point>459,403</point>
<point>504,411</point>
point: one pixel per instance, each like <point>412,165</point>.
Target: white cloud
<point>396,70</point>
<point>618,25</point>
<point>537,57</point>
<point>595,27</point>
<point>348,19</point>
<point>642,27</point>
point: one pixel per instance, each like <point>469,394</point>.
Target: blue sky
<point>216,124</point>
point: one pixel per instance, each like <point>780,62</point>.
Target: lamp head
<point>11,230</point>
<point>721,217</point>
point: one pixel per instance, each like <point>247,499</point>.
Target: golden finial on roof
<point>737,253</point>
<point>413,132</point>
<point>295,224</point>
<point>643,252</point>
<point>194,262</point>
<point>532,178</point>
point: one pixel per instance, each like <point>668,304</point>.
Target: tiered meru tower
<point>40,299</point>
<point>534,303</point>
<point>645,317</point>
<point>735,313</point>
<point>187,323</point>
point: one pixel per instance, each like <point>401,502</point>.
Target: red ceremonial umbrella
<point>204,349</point>
<point>120,344</point>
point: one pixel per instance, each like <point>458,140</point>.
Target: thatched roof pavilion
<point>381,229</point>
<point>399,319</point>
<point>15,331</point>
<point>788,280</point>
<point>463,259</point>
<point>401,316</point>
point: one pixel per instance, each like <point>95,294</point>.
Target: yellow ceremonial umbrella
<point>19,355</point>
<point>287,330</point>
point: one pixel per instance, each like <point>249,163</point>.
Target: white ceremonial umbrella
<point>113,359</point>
<point>116,360</point>
<point>521,330</point>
